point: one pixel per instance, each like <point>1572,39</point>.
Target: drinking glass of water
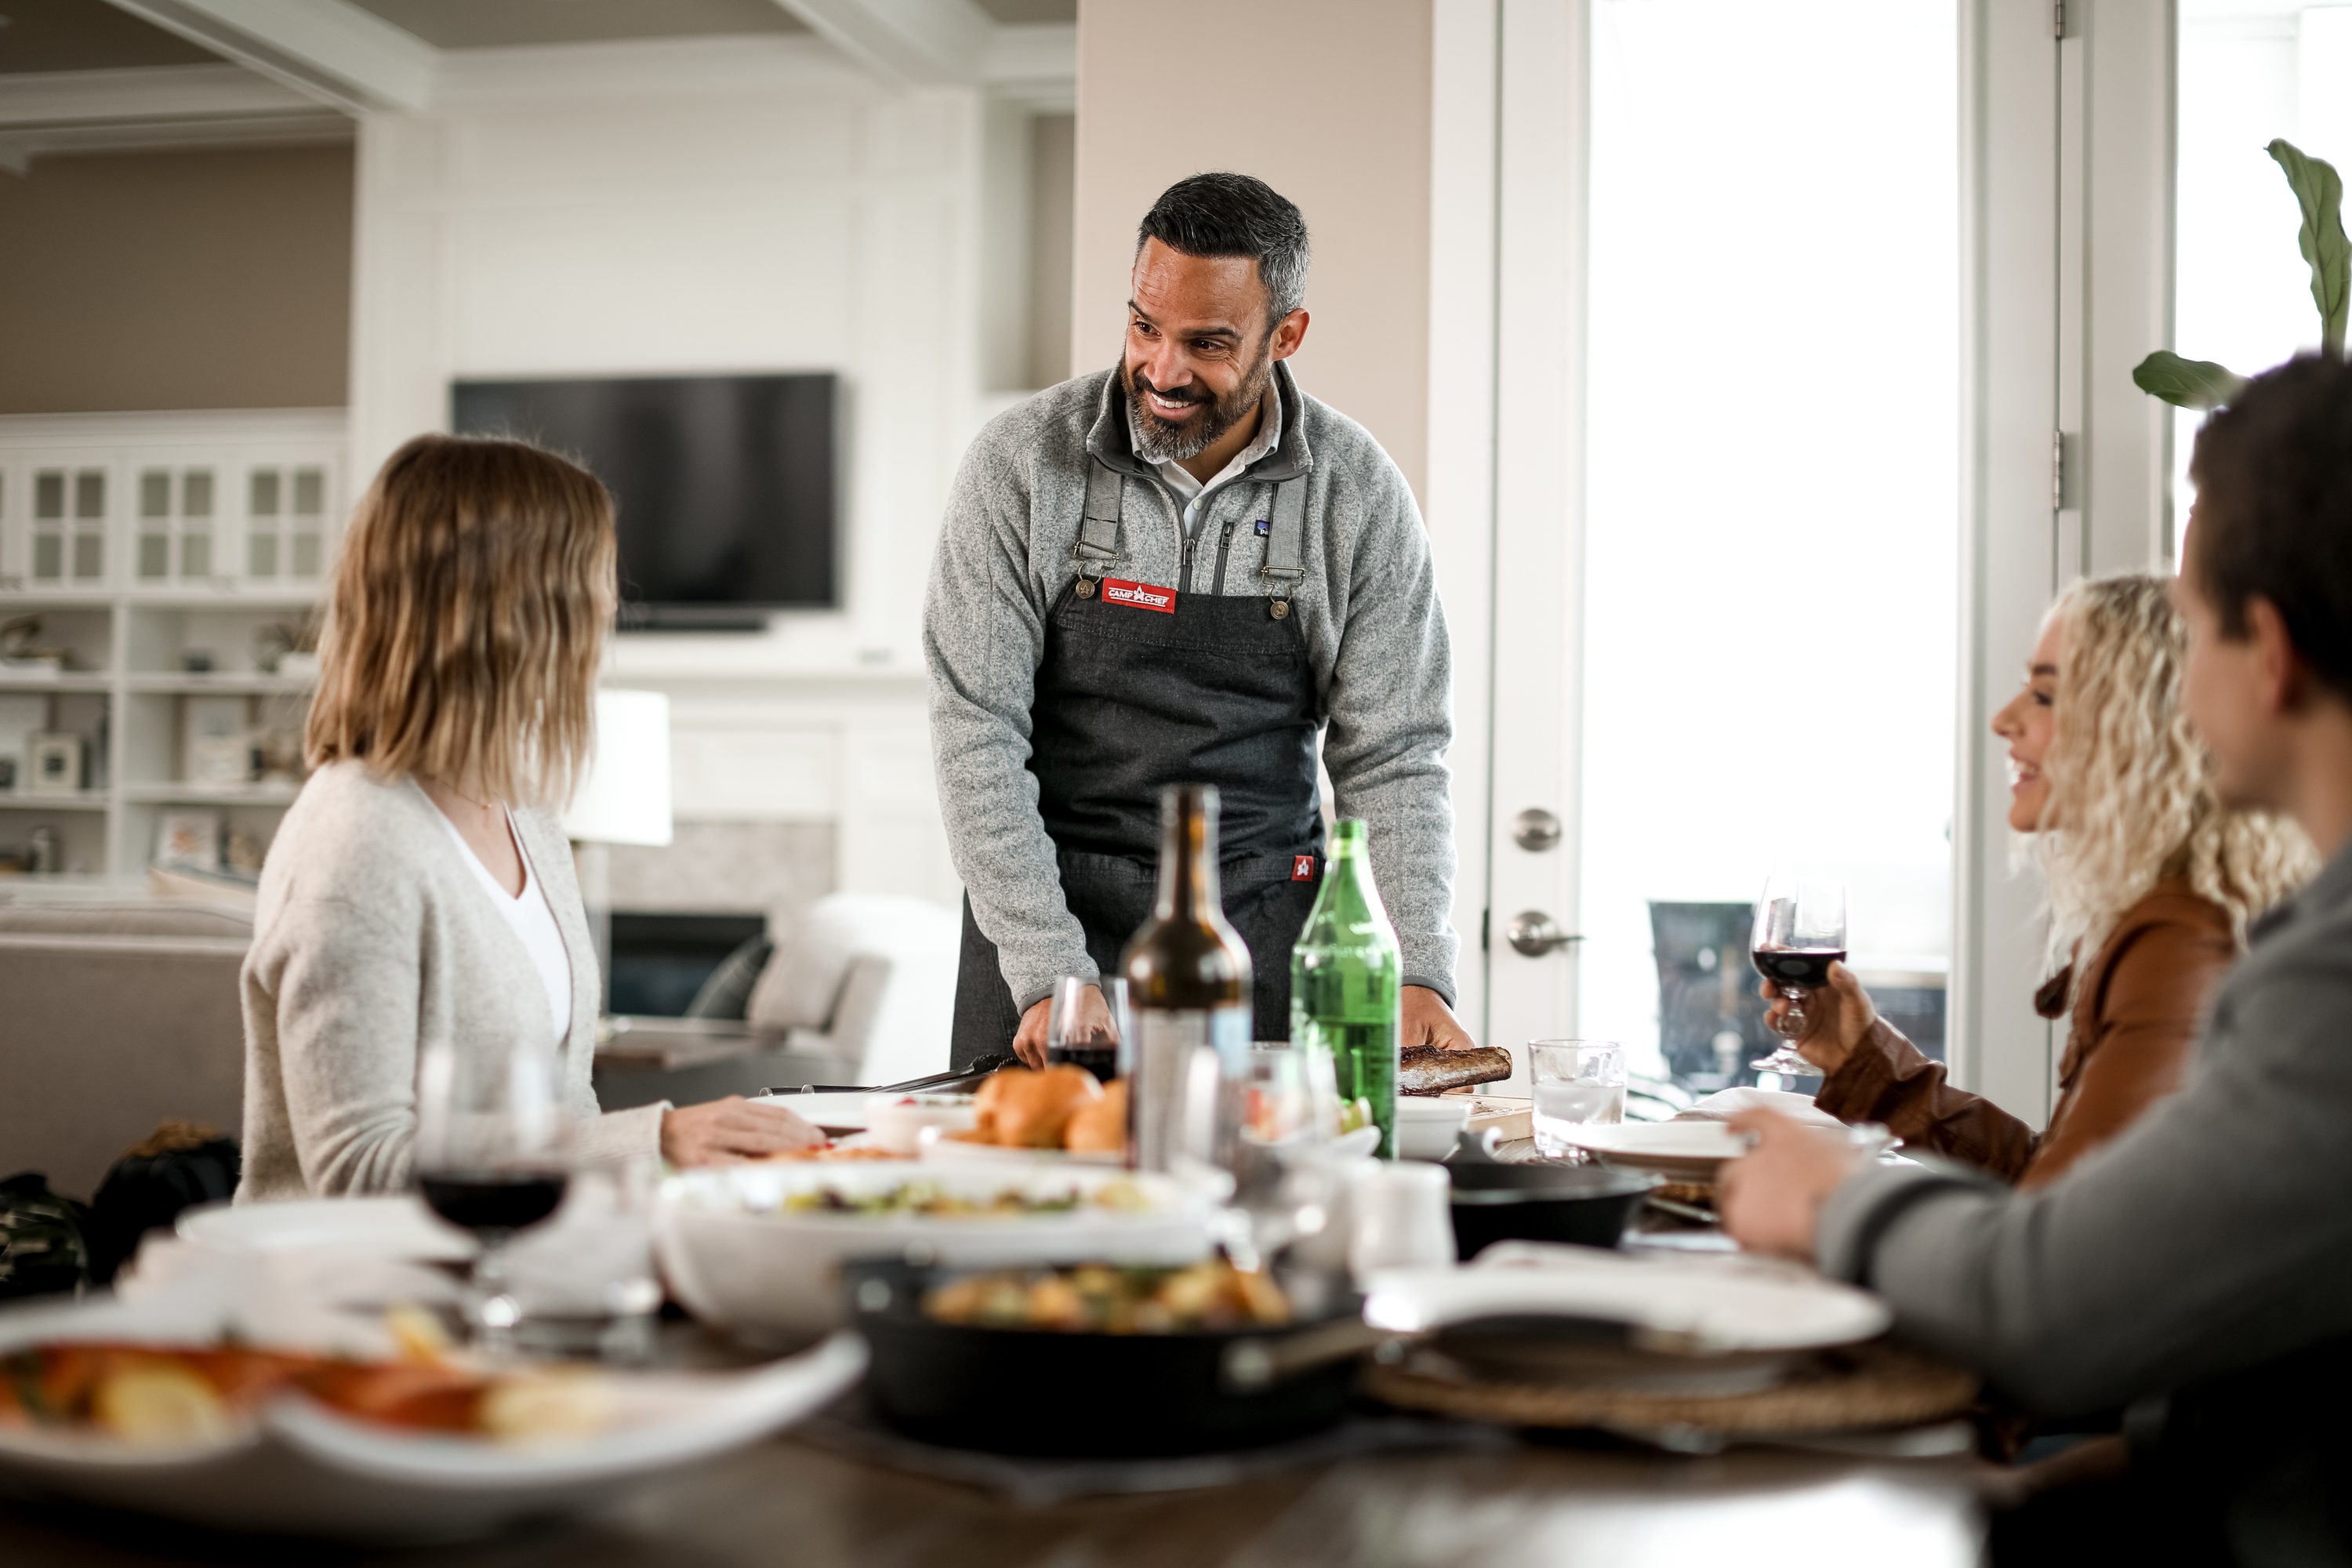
<point>1576,1082</point>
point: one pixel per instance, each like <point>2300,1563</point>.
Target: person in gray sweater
<point>2196,1273</point>
<point>1184,570</point>
<point>419,892</point>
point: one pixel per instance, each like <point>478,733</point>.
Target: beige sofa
<point>115,1013</point>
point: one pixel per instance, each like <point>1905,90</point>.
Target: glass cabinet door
<point>176,523</point>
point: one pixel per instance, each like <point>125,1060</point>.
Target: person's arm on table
<point>2195,1244</point>
<point>1389,707</point>
<point>983,634</point>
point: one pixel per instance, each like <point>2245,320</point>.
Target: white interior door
<point>1727,495</point>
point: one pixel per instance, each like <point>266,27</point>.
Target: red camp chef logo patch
<point>1142,596</point>
<point>1302,867</point>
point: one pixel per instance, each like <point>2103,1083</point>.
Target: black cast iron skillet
<point>1541,1201</point>
<point>1017,1391</point>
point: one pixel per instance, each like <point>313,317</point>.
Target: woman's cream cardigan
<point>372,934</point>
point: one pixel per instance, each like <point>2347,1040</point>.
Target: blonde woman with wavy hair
<point>2150,881</point>
<point>420,886</point>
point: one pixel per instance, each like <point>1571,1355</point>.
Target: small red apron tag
<point>1302,867</point>
<point>1141,595</point>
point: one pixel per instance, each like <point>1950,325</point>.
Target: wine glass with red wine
<point>490,1147</point>
<point>1800,933</point>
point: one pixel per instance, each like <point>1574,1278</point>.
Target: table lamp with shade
<point>624,798</point>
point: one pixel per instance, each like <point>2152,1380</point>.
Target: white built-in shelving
<point>148,547</point>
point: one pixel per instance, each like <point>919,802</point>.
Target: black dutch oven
<point>1043,1393</point>
<point>1542,1201</point>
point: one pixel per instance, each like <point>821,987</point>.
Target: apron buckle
<point>1278,608</point>
<point>1085,586</point>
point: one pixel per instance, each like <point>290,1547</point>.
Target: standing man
<point>1185,571</point>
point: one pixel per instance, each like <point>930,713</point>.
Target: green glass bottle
<point>1346,981</point>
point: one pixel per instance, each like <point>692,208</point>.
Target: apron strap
<point>1098,532</point>
<point>1285,542</point>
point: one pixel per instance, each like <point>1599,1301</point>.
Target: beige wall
<point>159,280</point>
<point>1327,101</point>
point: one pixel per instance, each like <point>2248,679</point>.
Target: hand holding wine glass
<point>1837,1017</point>
<point>1799,931</point>
<point>491,1156</point>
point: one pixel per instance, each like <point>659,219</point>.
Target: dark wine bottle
<point>1187,977</point>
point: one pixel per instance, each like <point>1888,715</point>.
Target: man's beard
<point>1158,440</point>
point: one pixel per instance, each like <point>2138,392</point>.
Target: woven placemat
<point>1858,1388</point>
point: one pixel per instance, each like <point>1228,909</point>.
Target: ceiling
<point>91,34</point>
<point>84,35</point>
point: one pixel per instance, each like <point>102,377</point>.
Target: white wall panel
<point>700,207</point>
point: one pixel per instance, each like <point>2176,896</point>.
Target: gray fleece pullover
<point>1368,606</point>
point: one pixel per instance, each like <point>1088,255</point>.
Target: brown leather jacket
<point>2134,1013</point>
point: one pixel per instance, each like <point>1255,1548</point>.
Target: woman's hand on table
<point>1771,1198</point>
<point>1837,1016</point>
<point>726,1131</point>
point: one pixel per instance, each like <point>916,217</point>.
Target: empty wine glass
<point>1800,933</point>
<point>491,1158</point>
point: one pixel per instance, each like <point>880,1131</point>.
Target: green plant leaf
<point>2319,191</point>
<point>2186,383</point>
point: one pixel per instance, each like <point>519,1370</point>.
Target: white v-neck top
<point>534,923</point>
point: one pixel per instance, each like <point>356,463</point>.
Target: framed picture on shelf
<point>188,840</point>
<point>54,763</point>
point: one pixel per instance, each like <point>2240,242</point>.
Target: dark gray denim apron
<point>1129,701</point>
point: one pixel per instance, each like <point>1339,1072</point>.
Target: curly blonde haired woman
<point>420,888</point>
<point>2146,872</point>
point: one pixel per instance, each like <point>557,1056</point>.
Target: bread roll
<point>1100,1125</point>
<point>1028,1110</point>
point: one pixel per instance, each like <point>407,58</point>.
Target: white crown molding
<point>315,128</point>
<point>644,68</point>
<point>170,427</point>
<point>52,112</point>
<point>910,43</point>
<point>329,50</point>
<point>154,92</point>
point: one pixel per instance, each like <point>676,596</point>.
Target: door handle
<point>1535,830</point>
<point>1536,934</point>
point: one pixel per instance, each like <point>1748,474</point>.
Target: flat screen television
<point>725,486</point>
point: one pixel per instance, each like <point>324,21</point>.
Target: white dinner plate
<point>1690,1148</point>
<point>302,1469</point>
<point>1707,1305</point>
<point>833,1112</point>
<point>399,1229</point>
<point>945,1150</point>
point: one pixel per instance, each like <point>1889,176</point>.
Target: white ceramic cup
<point>1401,1217</point>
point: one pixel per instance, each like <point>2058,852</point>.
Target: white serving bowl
<point>739,1259</point>
<point>896,1122</point>
<point>1428,1125</point>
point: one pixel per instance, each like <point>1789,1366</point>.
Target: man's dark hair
<point>2273,476</point>
<point>1235,214</point>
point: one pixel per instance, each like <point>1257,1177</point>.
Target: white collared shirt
<point>1191,491</point>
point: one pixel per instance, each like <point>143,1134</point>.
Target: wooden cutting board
<point>1509,1118</point>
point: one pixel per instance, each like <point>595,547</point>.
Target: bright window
<point>2250,72</point>
<point>1772,535</point>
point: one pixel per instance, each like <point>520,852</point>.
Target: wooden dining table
<point>810,1500</point>
<point>1534,1503</point>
